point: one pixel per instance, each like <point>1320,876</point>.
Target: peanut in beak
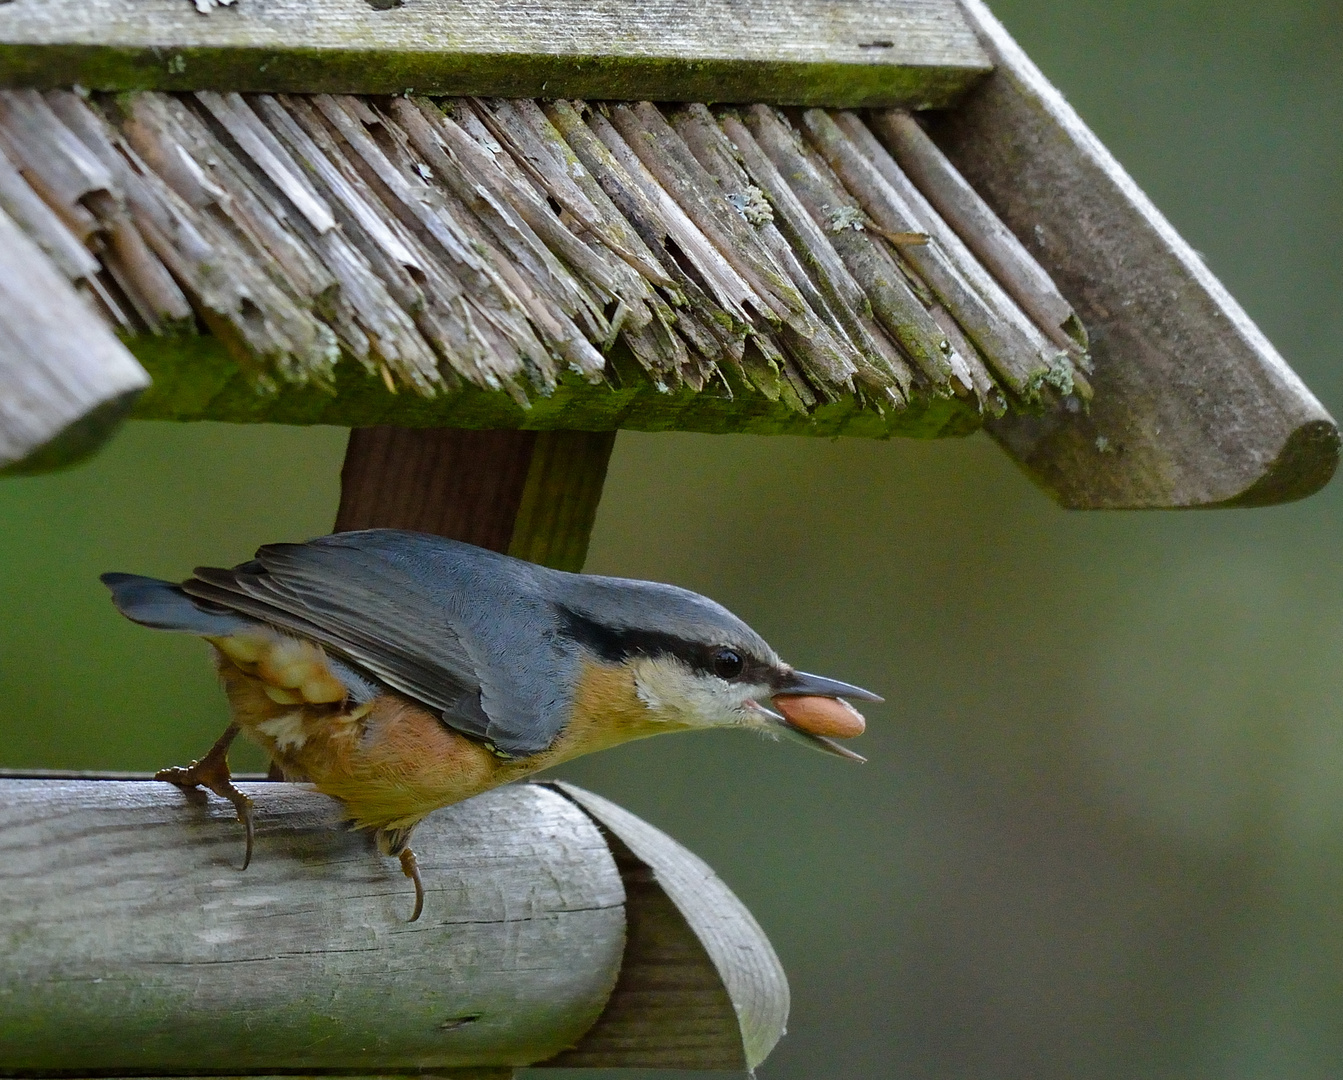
<point>825,716</point>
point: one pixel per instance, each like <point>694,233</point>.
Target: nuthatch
<point>400,672</point>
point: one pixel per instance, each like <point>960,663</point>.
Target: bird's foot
<point>397,842</point>
<point>212,773</point>
<point>411,868</point>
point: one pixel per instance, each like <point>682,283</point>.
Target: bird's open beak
<point>795,721</point>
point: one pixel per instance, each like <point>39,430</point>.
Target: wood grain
<point>669,1008</point>
<point>465,485</point>
<point>459,263</point>
<point>1193,406</point>
<point>529,494</point>
<point>558,505</point>
<point>918,52</point>
<point>66,380</point>
<point>977,225</point>
<point>133,946</point>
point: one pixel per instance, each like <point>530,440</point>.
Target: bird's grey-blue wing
<point>467,632</point>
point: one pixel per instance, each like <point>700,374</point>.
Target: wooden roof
<point>510,263</point>
<point>419,260</point>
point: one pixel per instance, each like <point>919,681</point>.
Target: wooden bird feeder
<point>486,237</point>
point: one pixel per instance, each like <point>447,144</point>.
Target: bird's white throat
<point>674,692</point>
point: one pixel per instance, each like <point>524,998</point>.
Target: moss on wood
<point>196,379</point>
<point>300,70</point>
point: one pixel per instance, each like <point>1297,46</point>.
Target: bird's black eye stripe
<point>617,645</point>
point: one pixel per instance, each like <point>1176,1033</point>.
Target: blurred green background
<point>1101,832</point>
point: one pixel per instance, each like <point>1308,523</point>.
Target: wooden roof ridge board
<point>512,263</point>
<point>807,52</point>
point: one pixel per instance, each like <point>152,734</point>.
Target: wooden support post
<point>531,494</point>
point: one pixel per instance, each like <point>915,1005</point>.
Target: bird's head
<point>695,664</point>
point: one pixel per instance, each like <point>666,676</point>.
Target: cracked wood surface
<point>505,263</point>
<point>663,1012</point>
<point>819,52</point>
<point>66,380</point>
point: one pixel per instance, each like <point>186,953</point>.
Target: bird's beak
<point>795,727</point>
<point>802,684</point>
<point>764,713</point>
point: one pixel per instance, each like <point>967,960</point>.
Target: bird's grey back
<point>487,641</point>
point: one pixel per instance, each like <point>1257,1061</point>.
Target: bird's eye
<point>727,664</point>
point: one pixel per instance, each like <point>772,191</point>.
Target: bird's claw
<point>212,773</point>
<point>411,868</point>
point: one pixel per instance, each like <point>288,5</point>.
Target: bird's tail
<point>164,606</point>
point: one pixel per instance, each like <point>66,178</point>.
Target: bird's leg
<point>411,869</point>
<point>395,842</point>
<point>212,772</point>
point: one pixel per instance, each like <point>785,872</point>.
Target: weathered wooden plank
<point>818,52</point>
<point>669,1008</point>
<point>66,380</point>
<point>133,946</point>
<point>128,937</point>
<point>1193,406</point>
<point>978,226</point>
<point>732,939</point>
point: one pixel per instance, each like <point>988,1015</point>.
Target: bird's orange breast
<point>607,711</point>
<point>392,761</point>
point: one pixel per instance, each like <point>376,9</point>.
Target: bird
<point>399,672</point>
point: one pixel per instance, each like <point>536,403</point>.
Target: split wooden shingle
<point>510,246</point>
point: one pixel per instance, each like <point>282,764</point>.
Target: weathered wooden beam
<point>133,946</point>
<point>558,505</point>
<point>1193,406</point>
<point>531,494</point>
<point>818,52</point>
<point>466,485</point>
<point>67,381</point>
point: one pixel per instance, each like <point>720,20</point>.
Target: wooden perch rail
<point>816,52</point>
<point>558,929</point>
